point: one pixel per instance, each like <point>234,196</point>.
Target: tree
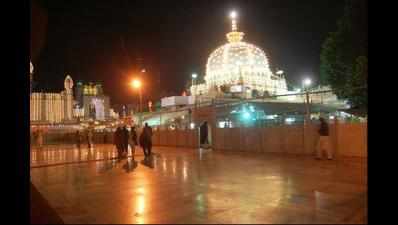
<point>344,55</point>
<point>158,105</point>
<point>359,77</point>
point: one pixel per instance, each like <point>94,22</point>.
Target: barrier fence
<point>347,139</point>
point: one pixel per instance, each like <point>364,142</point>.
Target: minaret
<point>234,36</point>
<point>31,75</point>
<point>68,102</point>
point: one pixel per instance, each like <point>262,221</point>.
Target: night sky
<point>109,41</point>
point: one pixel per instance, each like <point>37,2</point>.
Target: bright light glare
<point>136,83</point>
<point>246,115</point>
<point>279,72</point>
<point>194,75</point>
<point>307,82</point>
<point>290,120</point>
<point>233,15</point>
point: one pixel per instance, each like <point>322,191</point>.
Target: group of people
<point>123,138</point>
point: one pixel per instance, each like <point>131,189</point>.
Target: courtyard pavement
<point>198,186</point>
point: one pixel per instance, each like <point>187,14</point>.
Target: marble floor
<point>184,186</point>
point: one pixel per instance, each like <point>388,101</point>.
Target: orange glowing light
<point>135,83</point>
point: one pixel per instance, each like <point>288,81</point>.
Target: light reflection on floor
<point>192,186</point>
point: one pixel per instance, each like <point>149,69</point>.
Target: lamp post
<point>136,84</point>
<point>139,88</point>
<point>194,76</point>
<point>306,83</point>
<point>279,73</point>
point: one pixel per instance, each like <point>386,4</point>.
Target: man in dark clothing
<point>146,140</point>
<point>204,134</point>
<point>323,143</point>
<point>118,141</point>
<point>78,139</point>
<point>90,138</point>
<point>125,140</point>
<point>133,140</point>
<point>133,134</point>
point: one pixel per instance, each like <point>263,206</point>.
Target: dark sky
<point>172,38</point>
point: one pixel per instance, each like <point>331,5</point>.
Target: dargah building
<point>239,67</point>
<point>240,88</point>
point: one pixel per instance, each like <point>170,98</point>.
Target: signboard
<point>176,100</point>
<point>236,89</point>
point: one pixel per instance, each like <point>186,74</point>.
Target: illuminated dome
<point>239,63</point>
<point>235,62</point>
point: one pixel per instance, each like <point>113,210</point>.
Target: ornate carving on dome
<point>235,36</point>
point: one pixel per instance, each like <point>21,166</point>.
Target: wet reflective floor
<point>198,186</point>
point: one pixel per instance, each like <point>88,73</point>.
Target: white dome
<point>228,62</point>
<point>239,63</point>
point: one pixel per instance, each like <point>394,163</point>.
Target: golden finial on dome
<point>233,16</point>
<point>234,36</point>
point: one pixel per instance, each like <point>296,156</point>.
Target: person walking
<point>204,139</point>
<point>105,137</point>
<point>118,142</point>
<point>125,141</point>
<point>78,139</point>
<point>90,138</point>
<point>146,140</point>
<point>323,142</point>
<point>40,137</point>
<point>133,140</point>
<point>149,133</point>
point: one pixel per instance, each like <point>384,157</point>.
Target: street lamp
<point>233,15</point>
<point>136,84</point>
<point>279,73</point>
<point>306,83</point>
<point>194,76</point>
